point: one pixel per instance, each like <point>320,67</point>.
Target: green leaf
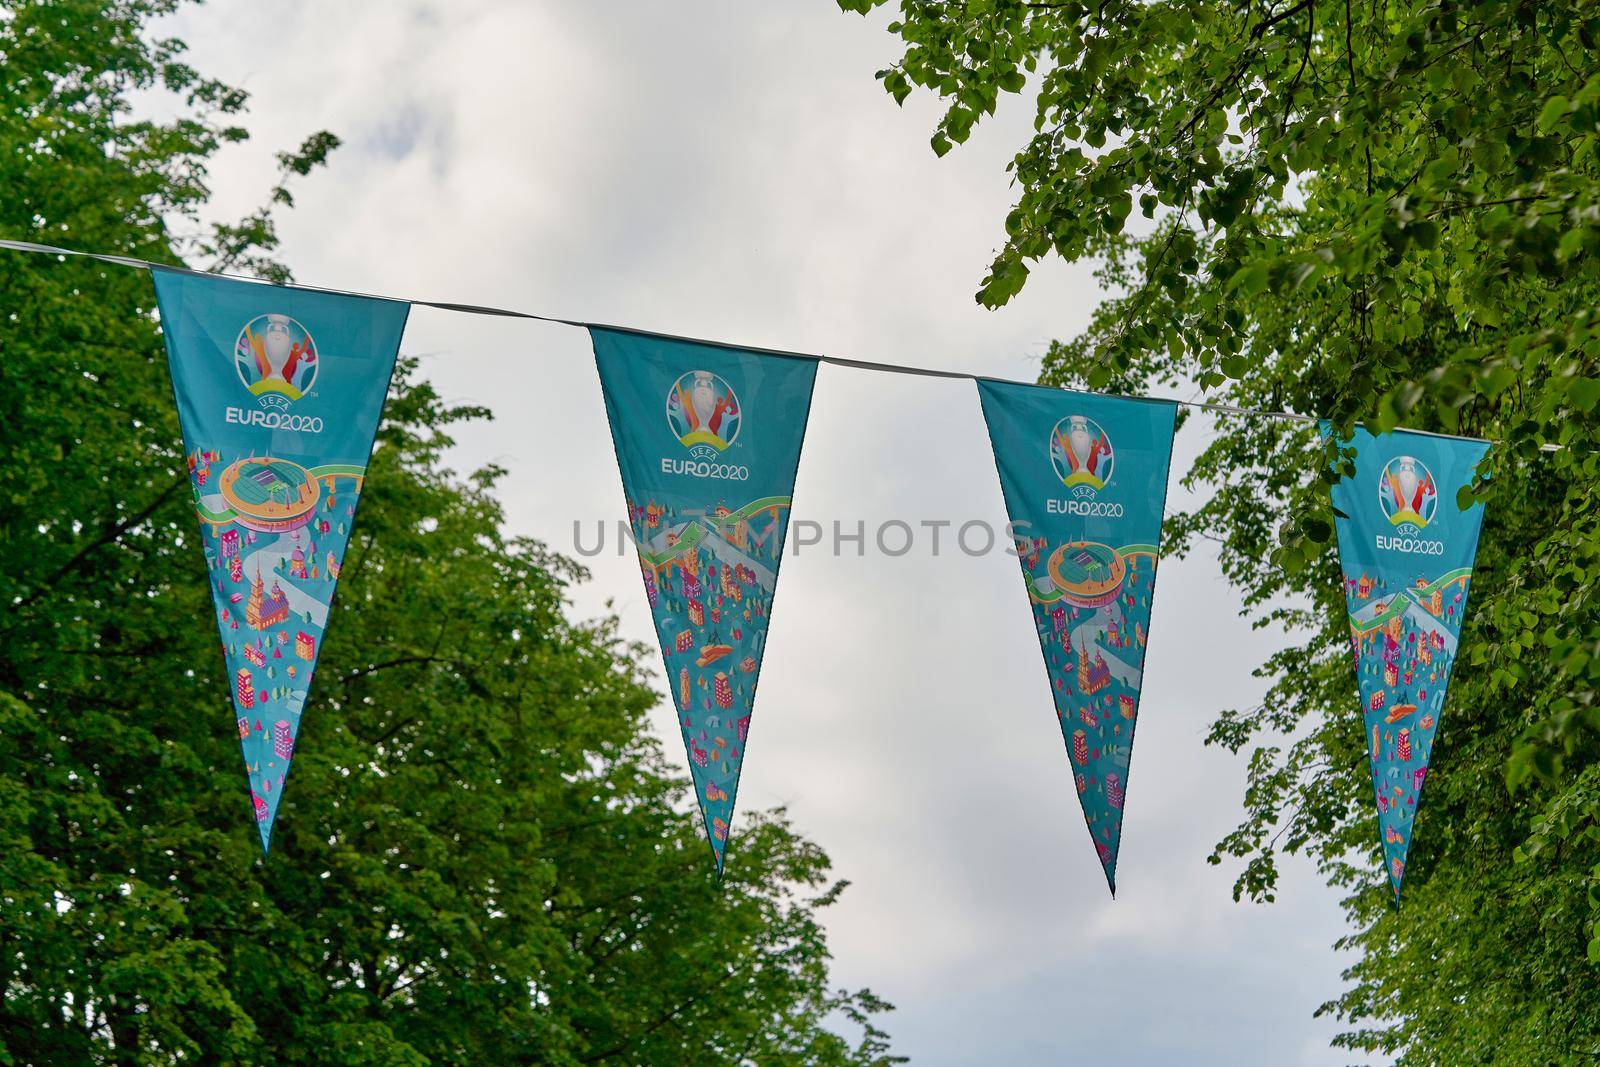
<point>1583,393</point>
<point>1555,109</point>
<point>1318,529</point>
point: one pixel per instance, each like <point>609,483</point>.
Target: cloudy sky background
<point>734,171</point>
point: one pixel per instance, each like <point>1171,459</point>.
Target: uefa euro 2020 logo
<point>1081,453</point>
<point>704,413</point>
<point>276,360</point>
<point>1407,494</point>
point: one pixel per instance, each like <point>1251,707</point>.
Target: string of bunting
<point>280,391</point>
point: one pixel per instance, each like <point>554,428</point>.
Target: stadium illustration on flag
<point>1085,482</point>
<point>708,501</point>
<point>278,411</point>
<point>1407,565</point>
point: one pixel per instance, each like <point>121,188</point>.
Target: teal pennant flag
<point>279,395</point>
<point>1085,484</point>
<point>708,440</point>
<point>1406,549</point>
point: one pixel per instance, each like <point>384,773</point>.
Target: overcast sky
<point>734,171</point>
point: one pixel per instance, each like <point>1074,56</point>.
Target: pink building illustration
<point>1080,746</point>
<point>282,739</point>
<point>1114,792</point>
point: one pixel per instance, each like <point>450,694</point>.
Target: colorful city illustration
<point>709,579</point>
<point>1091,608</point>
<point>708,440</point>
<point>275,535</point>
<point>1406,547</point>
<point>1085,483</point>
<point>1403,636</point>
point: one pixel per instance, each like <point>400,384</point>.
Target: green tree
<point>484,857</point>
<point>1384,212</point>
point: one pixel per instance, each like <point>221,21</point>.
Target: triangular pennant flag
<point>1406,549</point>
<point>708,439</point>
<point>279,395</point>
<point>1085,484</point>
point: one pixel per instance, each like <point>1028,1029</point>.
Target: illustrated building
<point>1437,603</point>
<point>1391,674</point>
<point>1080,746</point>
<point>684,692</point>
<point>1125,703</point>
<point>1114,793</point>
<point>236,569</point>
<point>1092,677</point>
<point>1402,746</point>
<point>282,739</point>
<point>651,593</point>
<point>721,691</point>
<point>1379,699</point>
<point>297,563</point>
<point>1364,586</point>
<point>244,728</point>
<point>697,613</point>
<point>1396,627</point>
<point>685,640</point>
<point>305,646</point>
<point>254,654</point>
<point>230,543</point>
<point>244,688</point>
<point>265,609</point>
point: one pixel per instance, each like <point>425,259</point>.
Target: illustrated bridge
<point>1401,602</point>
<point>664,559</point>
